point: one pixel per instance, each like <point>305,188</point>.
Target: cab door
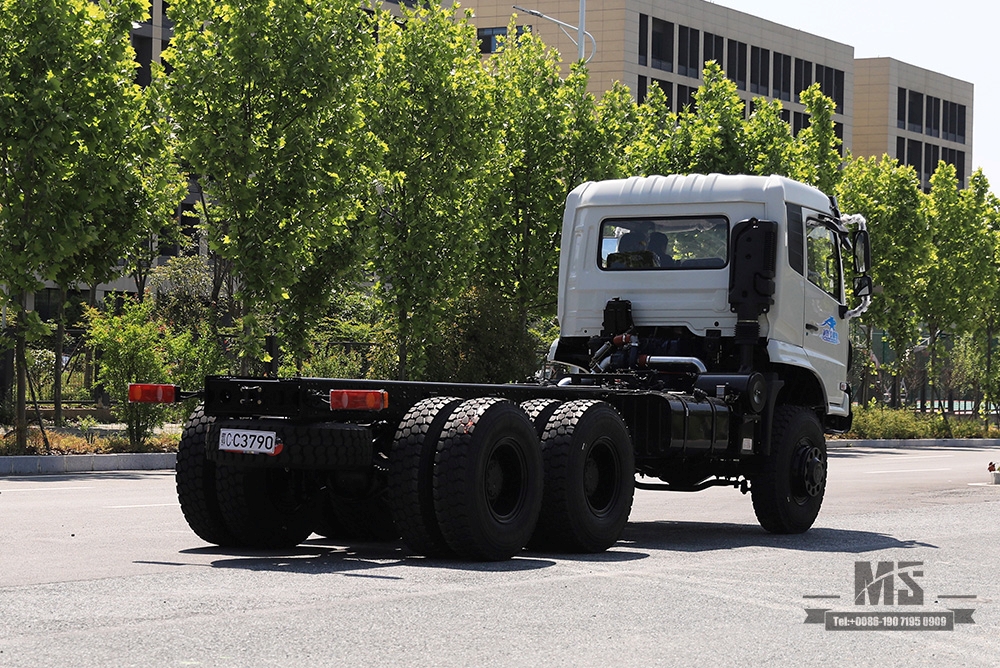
<point>826,339</point>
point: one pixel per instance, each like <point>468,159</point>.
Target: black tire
<point>488,480</point>
<point>589,479</point>
<point>539,411</point>
<point>195,479</point>
<point>266,508</point>
<point>411,475</point>
<point>788,489</point>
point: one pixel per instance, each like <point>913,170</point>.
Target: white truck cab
<point>666,245</point>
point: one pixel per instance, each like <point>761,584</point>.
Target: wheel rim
<point>601,474</point>
<point>808,472</point>
<point>504,480</point>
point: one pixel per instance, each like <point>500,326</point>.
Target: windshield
<point>688,242</point>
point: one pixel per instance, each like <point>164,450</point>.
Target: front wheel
<point>788,489</point>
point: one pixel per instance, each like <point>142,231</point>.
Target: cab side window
<point>823,258</point>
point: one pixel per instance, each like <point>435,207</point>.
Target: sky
<point>957,38</point>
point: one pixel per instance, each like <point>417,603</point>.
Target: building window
<point>915,114</point>
<point>961,124</point>
<point>914,154</point>
<point>144,56</point>
<point>713,48</point>
<point>782,77</point>
<point>803,76</point>
<point>932,154</point>
<point>901,150</point>
<point>760,67</point>
<point>688,48</point>
<point>640,89</point>
<point>489,38</point>
<point>932,117</point>
<point>800,121</point>
<point>957,159</point>
<point>949,121</point>
<point>663,45</point>
<point>685,97</point>
<point>901,110</point>
<point>488,42</point>
<point>831,83</point>
<point>643,39</point>
<point>736,66</point>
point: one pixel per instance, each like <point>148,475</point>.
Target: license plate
<point>249,441</point>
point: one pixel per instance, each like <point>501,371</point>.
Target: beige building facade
<point>665,43</point>
<point>914,115</point>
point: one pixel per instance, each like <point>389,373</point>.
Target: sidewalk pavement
<point>56,464</point>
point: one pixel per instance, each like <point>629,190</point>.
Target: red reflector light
<point>358,400</point>
<point>149,393</point>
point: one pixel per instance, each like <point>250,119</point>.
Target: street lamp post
<point>580,31</point>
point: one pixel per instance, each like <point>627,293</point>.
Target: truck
<point>703,341</point>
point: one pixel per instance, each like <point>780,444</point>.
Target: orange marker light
<point>358,400</point>
<point>150,393</point>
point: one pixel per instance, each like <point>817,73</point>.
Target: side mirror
<point>863,287</point>
<point>862,252</point>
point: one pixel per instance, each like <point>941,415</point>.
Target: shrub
<point>133,348</point>
<point>877,421</point>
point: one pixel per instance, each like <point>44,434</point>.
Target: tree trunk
<point>401,342</point>
<point>57,377</point>
<point>21,381</point>
<point>88,361</point>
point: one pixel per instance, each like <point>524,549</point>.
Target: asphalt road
<point>101,570</point>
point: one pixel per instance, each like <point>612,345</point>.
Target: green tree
<point>428,104</point>
<point>533,109</point>
<point>769,143</point>
<point>68,105</point>
<point>657,146</point>
<point>960,280</point>
<point>139,163</point>
<point>716,126</point>
<point>266,99</point>
<point>888,195</point>
<point>816,156</point>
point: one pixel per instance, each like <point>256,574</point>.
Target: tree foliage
<point>427,104</point>
<point>266,97</point>
<point>70,148</point>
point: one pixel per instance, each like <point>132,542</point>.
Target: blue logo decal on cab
<point>828,331</point>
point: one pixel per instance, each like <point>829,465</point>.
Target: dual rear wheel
<point>482,478</point>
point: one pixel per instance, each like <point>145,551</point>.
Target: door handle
<point>811,327</point>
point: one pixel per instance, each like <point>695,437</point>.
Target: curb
<point>914,443</point>
<point>56,464</point>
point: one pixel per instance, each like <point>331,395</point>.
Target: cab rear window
<point>688,242</point>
